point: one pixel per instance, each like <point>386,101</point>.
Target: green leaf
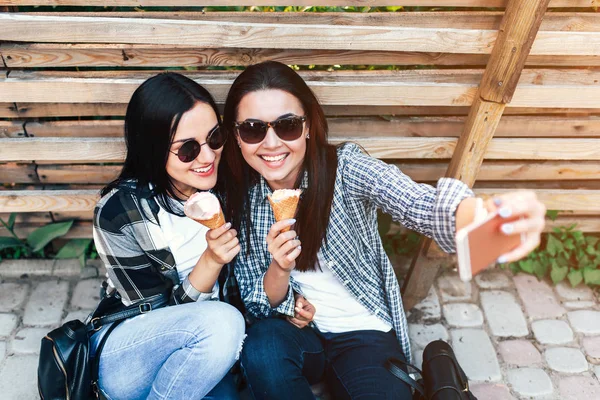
<point>81,259</point>
<point>591,276</point>
<point>591,250</point>
<point>554,245</point>
<point>10,242</point>
<point>73,248</point>
<point>539,269</point>
<point>569,244</point>
<point>575,277</point>
<point>558,274</point>
<point>11,220</point>
<point>44,235</point>
<point>552,214</point>
<point>526,266</point>
<point>591,240</point>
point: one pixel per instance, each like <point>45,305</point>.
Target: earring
<point>307,136</point>
<point>239,144</point>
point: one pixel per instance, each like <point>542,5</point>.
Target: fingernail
<point>507,228</point>
<point>299,247</point>
<point>497,201</point>
<point>297,309</point>
<point>299,305</point>
<point>502,260</point>
<point>505,212</point>
<point>291,221</point>
<point>228,225</point>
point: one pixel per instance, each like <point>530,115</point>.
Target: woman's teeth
<point>274,158</point>
<point>202,170</point>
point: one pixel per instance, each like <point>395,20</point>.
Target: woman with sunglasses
<point>334,255</point>
<point>184,351</point>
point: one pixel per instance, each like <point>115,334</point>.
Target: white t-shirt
<point>336,310</point>
<point>187,242</point>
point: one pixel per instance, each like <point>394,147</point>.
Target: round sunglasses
<point>191,149</point>
<point>254,131</point>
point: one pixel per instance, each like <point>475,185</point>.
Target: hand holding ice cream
<point>284,203</point>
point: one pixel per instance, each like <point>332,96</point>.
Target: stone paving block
<point>67,268</point>
<point>46,304</point>
<point>421,335</point>
<point>12,295</point>
<point>597,371</point>
<point>552,331</point>
<point>568,293</point>
<point>28,340</point>
<point>86,294</point>
<point>493,279</point>
<point>503,313</point>
<point>89,272</point>
<point>519,352</point>
<point>428,309</point>
<point>453,289</point>
<point>591,345</point>
<point>538,297</point>
<point>418,358</point>
<point>566,359</point>
<point>17,268</point>
<point>491,391</point>
<point>579,388</point>
<point>530,382</point>
<point>585,321</point>
<point>77,314</point>
<point>463,315</point>
<point>8,322</point>
<point>475,354</point>
<point>18,378</point>
<point>578,305</point>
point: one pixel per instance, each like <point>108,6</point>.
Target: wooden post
<point>518,29</point>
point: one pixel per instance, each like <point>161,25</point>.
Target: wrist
<point>278,271</point>
<point>208,261</point>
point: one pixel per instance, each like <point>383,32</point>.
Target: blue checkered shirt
<point>353,248</point>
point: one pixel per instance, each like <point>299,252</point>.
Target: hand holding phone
<point>479,244</point>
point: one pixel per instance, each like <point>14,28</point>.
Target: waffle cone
<point>284,209</point>
<point>217,221</point>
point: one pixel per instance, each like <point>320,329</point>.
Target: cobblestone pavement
<point>516,337</point>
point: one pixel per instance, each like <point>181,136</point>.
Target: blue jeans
<point>176,352</point>
<point>281,362</point>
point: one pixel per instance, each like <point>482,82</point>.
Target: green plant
<point>397,243</point>
<point>36,243</point>
<point>566,253</point>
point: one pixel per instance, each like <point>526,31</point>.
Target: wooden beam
<point>113,149</point>
<point>339,3</point>
<point>79,230</point>
<point>538,88</point>
<point>518,31</point>
<point>11,129</point>
<point>17,172</point>
<point>225,34</point>
<point>44,200</point>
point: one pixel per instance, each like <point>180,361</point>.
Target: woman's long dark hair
<point>152,118</point>
<point>320,160</point>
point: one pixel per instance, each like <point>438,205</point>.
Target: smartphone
<point>479,244</point>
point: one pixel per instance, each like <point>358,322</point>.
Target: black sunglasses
<point>189,150</point>
<point>255,131</point>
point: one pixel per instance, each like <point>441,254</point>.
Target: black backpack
<point>65,369</point>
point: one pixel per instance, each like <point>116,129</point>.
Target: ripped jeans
<point>177,352</point>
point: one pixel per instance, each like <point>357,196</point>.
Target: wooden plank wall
<point>66,77</point>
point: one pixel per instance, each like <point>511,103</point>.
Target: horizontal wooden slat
<point>113,149</point>
<point>220,34</point>
<point>41,110</point>
<point>78,174</point>
<point>29,218</point>
<point>510,126</point>
<point>357,3</point>
<point>9,129</point>
<point>85,200</point>
<point>537,88</point>
<point>44,200</point>
<point>17,173</point>
<point>510,170</point>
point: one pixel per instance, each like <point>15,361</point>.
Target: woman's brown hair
<point>320,160</point>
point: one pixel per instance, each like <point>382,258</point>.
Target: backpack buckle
<point>93,323</point>
<point>145,308</point>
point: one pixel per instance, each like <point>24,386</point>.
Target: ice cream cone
<point>284,208</point>
<point>215,222</point>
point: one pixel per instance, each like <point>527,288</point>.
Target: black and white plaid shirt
<point>354,251</point>
<point>136,254</point>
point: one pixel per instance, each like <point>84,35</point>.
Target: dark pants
<point>281,362</point>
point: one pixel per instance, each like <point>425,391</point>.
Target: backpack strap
<point>95,367</point>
